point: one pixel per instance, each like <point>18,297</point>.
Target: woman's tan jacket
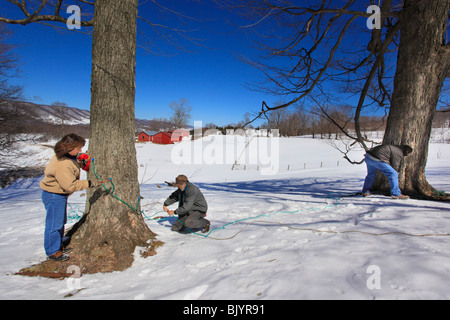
<point>63,176</point>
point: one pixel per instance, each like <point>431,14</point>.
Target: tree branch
<point>298,10</point>
<point>380,56</point>
<point>36,16</point>
<point>265,108</point>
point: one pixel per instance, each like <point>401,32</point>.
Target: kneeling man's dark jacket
<point>191,199</point>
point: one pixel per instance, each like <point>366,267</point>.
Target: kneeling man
<point>192,206</point>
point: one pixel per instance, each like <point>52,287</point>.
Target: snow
<point>285,235</point>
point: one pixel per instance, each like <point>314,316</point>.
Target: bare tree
<point>397,58</point>
<point>158,124</point>
<point>60,109</point>
<point>301,119</point>
<point>10,113</point>
<point>422,67</point>
<point>11,127</point>
<point>276,118</point>
<point>181,113</point>
<point>113,225</point>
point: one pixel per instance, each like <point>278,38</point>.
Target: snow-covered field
<point>286,235</point>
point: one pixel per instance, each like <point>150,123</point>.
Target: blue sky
<point>55,65</point>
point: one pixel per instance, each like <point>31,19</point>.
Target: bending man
<point>387,159</point>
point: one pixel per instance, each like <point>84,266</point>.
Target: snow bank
<point>283,236</point>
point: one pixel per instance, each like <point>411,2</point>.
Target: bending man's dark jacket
<point>392,155</point>
<point>191,199</point>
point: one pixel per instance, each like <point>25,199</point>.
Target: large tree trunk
<point>112,228</point>
<point>422,66</point>
<point>106,237</point>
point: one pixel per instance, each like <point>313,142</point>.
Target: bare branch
<point>265,108</point>
<point>332,120</point>
<point>36,15</point>
<point>297,11</point>
<point>376,65</point>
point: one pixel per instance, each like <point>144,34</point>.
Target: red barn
<point>162,138</point>
<point>143,137</point>
<point>146,136</point>
<point>179,134</point>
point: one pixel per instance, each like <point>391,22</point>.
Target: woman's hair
<point>68,143</point>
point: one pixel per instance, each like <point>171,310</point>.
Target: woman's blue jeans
<point>372,168</point>
<point>56,207</point>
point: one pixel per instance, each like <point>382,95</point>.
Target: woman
<point>62,178</point>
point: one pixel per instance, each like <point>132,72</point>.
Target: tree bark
<point>112,227</point>
<point>422,66</point>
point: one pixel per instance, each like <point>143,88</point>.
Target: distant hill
<point>40,118</point>
<point>54,115</point>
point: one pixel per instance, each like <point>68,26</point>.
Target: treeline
<point>331,122</point>
<point>314,123</point>
<point>442,119</point>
